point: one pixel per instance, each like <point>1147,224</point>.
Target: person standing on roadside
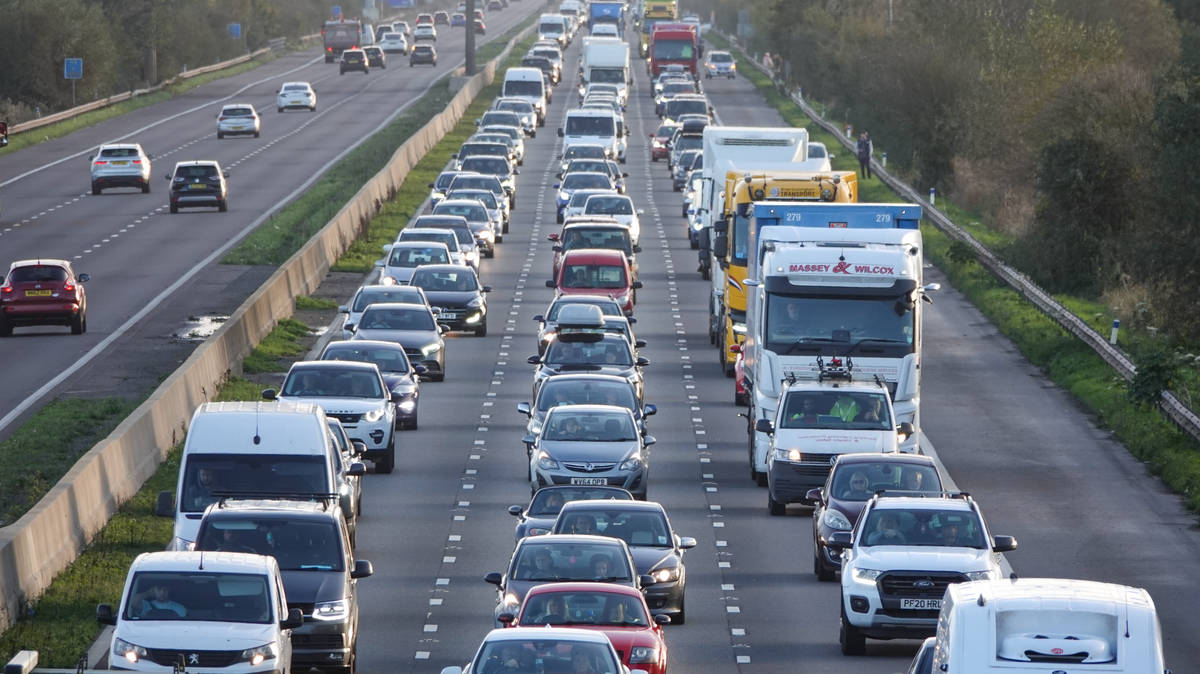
<point>864,151</point>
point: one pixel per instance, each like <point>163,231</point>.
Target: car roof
<point>459,202</point>
<point>890,457</point>
<point>237,105</point>
<point>40,262</point>
<point>275,508</point>
<point>922,503</point>
<point>203,562</point>
<point>608,588</point>
<point>339,364</point>
<point>373,343</point>
<point>590,409</point>
<point>551,633</point>
<point>586,254</point>
<point>585,376</point>
<point>610,225</point>
<point>609,504</point>
<point>392,305</point>
<point>198,162</point>
<point>446,267</point>
<point>120,146</point>
<point>571,539</point>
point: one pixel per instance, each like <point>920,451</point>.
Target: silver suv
<point>120,165</point>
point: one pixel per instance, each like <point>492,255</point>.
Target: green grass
<point>1169,453</point>
<point>44,448</point>
<point>239,389</point>
<point>306,303</point>
<point>289,229</point>
<point>282,342</point>
<point>396,212</point>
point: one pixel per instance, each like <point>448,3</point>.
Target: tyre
<point>410,64</point>
<point>681,617</point>
<point>341,72</point>
<point>822,572</point>
<point>95,189</point>
<point>278,109</point>
<point>683,213</point>
<point>223,206</point>
<point>312,108</point>
<point>505,228</point>
<point>481,331</point>
<point>387,462</point>
<point>850,639</point>
<point>559,217</point>
<point>256,134</point>
<point>146,187</point>
<point>78,324</point>
<point>220,135</point>
<point>489,253</point>
<point>653,158</point>
<point>6,328</point>
<point>775,508</point>
<point>676,187</point>
<point>440,376</point>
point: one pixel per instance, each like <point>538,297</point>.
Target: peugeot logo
<point>193,658</point>
<point>923,584</point>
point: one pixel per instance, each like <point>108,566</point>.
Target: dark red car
<point>43,292</point>
<point>619,612</point>
<point>660,141</point>
<point>596,271</point>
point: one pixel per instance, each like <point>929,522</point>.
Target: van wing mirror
<point>295,618</point>
<point>764,426</point>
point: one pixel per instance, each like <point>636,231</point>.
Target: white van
<point>526,84</point>
<point>553,27</point>
<point>1047,625</point>
<point>252,448</point>
<point>591,126</point>
<point>209,611</point>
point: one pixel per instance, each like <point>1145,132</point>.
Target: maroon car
<point>660,141</point>
<point>43,292</point>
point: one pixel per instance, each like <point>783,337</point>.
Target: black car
<point>441,19</point>
<point>657,550</point>
<point>198,183</point>
<point>456,291</point>
<point>549,72</point>
<point>354,59</point>
<point>310,541</point>
<point>401,377</point>
<point>602,353</point>
<point>375,57</point>
<point>537,518</point>
<point>422,53</point>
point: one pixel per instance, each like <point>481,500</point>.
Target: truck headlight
<point>130,652</point>
<point>260,654</point>
<point>867,575</point>
<point>330,610</point>
<point>834,519</point>
<point>788,455</point>
<point>546,462</point>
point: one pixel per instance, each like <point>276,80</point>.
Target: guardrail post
<point>883,159</point>
<point>932,197</point>
<point>1112,336</point>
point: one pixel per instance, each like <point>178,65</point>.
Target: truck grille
<point>915,584</point>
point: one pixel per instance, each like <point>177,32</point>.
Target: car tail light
<point>6,289</point>
<point>137,161</point>
<point>68,287</point>
<point>100,163</point>
<point>221,118</point>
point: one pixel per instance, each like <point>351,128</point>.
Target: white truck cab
<point>203,611</point>
<point>819,419</point>
<point>903,553</point>
<point>1047,625</point>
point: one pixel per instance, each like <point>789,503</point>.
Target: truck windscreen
<point>522,88</point>
<point>674,50</point>
<point>590,126</point>
<point>838,326</point>
<point>607,75</point>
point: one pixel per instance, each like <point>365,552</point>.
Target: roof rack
<point>325,498</point>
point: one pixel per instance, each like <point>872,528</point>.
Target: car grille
<point>905,584</point>
<point>589,467</point>
<point>168,658</point>
<point>317,641</point>
<point>345,417</point>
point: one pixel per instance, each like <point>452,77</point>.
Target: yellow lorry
<point>656,11</point>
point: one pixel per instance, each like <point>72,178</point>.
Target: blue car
<point>458,20</point>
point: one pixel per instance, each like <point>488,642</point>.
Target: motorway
<point>139,255</point>
<point>1040,469</point>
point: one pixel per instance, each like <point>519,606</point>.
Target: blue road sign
<point>235,29</point>
<point>336,11</point>
<point>73,69</point>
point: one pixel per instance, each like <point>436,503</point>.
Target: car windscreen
<point>389,359</point>
<point>488,199</point>
<point>859,481</point>
<point>489,183</point>
<point>552,54</point>
<point>206,474</point>
<point>674,49</point>
<point>923,527</point>
<point>638,528</point>
<point>583,181</point>
<point>493,166</point>
<point>462,232</point>
<point>720,57</point>
<point>444,281</point>
<point>613,352</point>
<point>521,107</point>
<point>612,238</point>
<point>587,166</point>
<point>607,308</point>
<point>446,237</point>
<point>689,106</point>
<point>443,181</point>
<point>410,256</point>
<point>366,297</point>
<point>688,142</point>
<point>672,88</point>
<point>605,205</point>
<point>586,608</point>
<point>471,212</point>
<point>593,276</point>
<point>322,382</point>
<point>548,502</point>
<point>198,596</point>
<point>378,318</point>
<point>566,424</point>
<point>297,544</point>
<point>569,561</point>
<point>581,125</point>
<point>584,152</point>
<point>488,149</point>
<point>237,112</point>
<point>501,118</point>
<point>522,88</point>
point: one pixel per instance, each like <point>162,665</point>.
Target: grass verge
<point>1171,454</point>
<point>282,342</point>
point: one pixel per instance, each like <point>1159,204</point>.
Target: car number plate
<point>120,163</point>
<point>448,315</point>
<point>590,481</point>
<point>238,127</point>
<point>197,186</point>
<point>38,293</point>
<point>921,604</point>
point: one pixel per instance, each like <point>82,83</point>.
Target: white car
<point>352,392</point>
<point>392,43</point>
<point>402,28</point>
<point>900,558</point>
<point>818,157</point>
<point>619,207</point>
<point>238,119</point>
<point>719,64</point>
<point>605,29</point>
<point>425,31</point>
<point>227,609</point>
<point>296,95</point>
<point>120,165</point>
<point>547,647</point>
<point>405,256</point>
<point>367,295</point>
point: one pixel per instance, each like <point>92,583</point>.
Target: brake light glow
<point>68,287</point>
<point>6,289</point>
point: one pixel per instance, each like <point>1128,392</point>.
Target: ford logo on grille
<point>923,584</point>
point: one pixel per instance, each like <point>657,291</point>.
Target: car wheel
<point>278,109</point>
<point>78,324</point>
<point>95,189</point>
<point>440,376</point>
<point>559,217</point>
<point>174,208</point>
<point>341,72</point>
<point>256,134</point>
<point>653,158</point>
<point>823,573</point>
<point>146,187</point>
<point>387,462</point>
<point>220,135</point>
<point>312,108</point>
<point>681,617</point>
<point>223,206</point>
<point>410,64</point>
<point>481,331</point>
<point>5,328</point>
<point>850,638</point>
<point>775,507</point>
<point>741,399</point>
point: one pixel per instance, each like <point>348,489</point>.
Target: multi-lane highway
<point>1040,469</point>
<point>135,251</point>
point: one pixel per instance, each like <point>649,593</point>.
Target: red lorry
<point>674,43</point>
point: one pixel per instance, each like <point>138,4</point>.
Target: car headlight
<point>867,575</point>
<point>180,544</point>
<point>536,531</point>
<point>632,463</point>
<point>130,652</point>
<point>990,574</point>
<point>330,610</point>
<point>430,349</point>
<point>834,519</point>
<point>787,454</point>
<point>546,462</point>
<point>475,303</point>
<point>374,415</point>
<point>665,575</point>
<point>407,405</point>
<point>260,654</point>
<point>643,654</point>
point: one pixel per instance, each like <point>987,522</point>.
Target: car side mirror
<point>359,446</point>
<point>660,619</point>
<point>506,619</point>
<point>494,578</point>
<point>905,430</point>
<point>485,289</point>
<point>649,440</point>
<point>735,348</point>
<point>765,426</point>
<point>529,439</point>
<point>550,283</point>
<point>362,569</point>
<point>105,615</point>
<point>636,284</point>
<point>344,309</point>
<point>639,343</point>
<point>419,369</point>
<point>687,542</point>
<point>643,362</point>
<point>557,185</point>
<point>637,249</point>
<point>164,506</point>
<point>168,176</point>
<point>225,173</point>
<point>839,540</point>
<point>533,360</point>
<point>1004,543</point>
<point>523,408</point>
<point>83,278</point>
<point>443,328</point>
<point>556,249</point>
<point>650,135</point>
<point>515,510</point>
<point>269,394</point>
<point>649,410</point>
<point>357,469</point>
<point>814,495</point>
<point>295,618</point>
<point>625,175</point>
<point>552,236</point>
<point>646,580</point>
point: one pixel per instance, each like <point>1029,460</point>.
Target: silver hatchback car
<point>238,119</point>
<point>590,445</point>
<point>120,165</point>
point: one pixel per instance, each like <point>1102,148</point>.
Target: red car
<point>740,395</point>
<point>43,292</point>
<point>619,612</point>
<point>597,271</point>
<point>660,141</point>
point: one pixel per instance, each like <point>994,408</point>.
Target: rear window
<point>186,172</point>
<point>366,298</point>
<point>119,152</point>
<point>522,88</point>
<point>415,257</point>
<point>238,112</point>
<point>38,274</point>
